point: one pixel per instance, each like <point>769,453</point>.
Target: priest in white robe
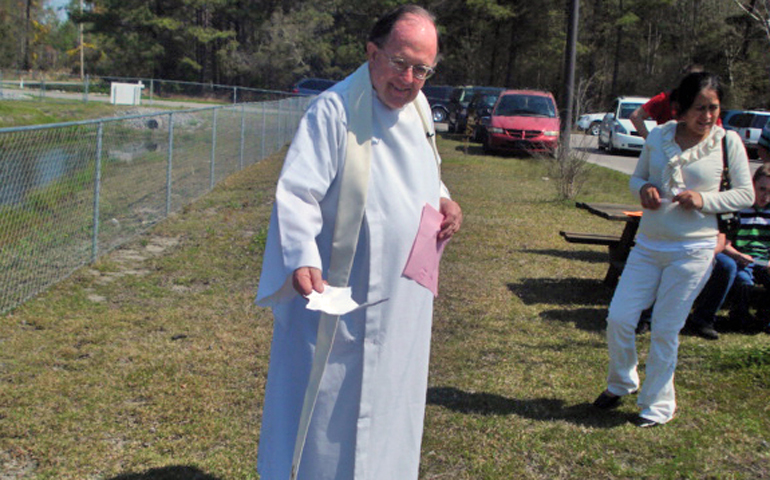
<point>368,419</point>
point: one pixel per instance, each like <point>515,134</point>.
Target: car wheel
<point>593,129</point>
<point>439,115</point>
<point>486,147</point>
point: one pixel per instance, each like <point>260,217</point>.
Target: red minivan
<point>523,120</point>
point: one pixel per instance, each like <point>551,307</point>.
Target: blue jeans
<point>745,280</point>
<point>713,295</point>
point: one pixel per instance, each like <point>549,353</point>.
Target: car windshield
<point>527,105</point>
<point>488,100</point>
<point>627,109</point>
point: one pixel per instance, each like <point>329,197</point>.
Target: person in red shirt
<point>659,107</point>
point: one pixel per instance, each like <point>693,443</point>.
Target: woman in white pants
<point>677,180</point>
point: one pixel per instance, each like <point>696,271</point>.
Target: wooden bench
<point>591,238</point>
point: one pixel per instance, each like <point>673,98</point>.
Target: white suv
<point>748,124</point>
<point>617,132</point>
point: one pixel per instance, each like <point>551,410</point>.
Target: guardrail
<point>71,192</point>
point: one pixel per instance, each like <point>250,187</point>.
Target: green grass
<point>151,364</point>
<point>17,113</point>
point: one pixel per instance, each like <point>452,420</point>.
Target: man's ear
<point>371,49</point>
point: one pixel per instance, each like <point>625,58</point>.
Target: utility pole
<point>570,55</point>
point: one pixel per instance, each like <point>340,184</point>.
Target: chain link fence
<point>71,192</point>
<point>47,85</point>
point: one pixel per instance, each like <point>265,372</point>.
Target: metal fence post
<point>279,134</point>
<point>97,193</point>
<point>243,135</point>
<point>264,119</point>
<point>235,95</point>
<point>85,89</point>
<point>170,158</point>
<point>213,149</point>
<point>152,87</point>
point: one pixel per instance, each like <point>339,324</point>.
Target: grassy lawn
<point>151,363</point>
<point>17,113</point>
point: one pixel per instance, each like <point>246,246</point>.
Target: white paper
<point>335,301</point>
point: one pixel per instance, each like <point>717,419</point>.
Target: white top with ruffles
<point>699,168</point>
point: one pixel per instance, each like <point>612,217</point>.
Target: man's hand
<point>453,218</point>
<point>307,279</point>
<point>650,196</point>
<point>689,200</point>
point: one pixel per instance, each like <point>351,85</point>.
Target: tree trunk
<point>25,63</point>
<point>616,64</point>
<point>493,56</point>
<point>510,80</point>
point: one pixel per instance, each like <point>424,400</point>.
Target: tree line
<point>626,47</point>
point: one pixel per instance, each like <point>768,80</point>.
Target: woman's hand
<point>689,200</point>
<point>650,196</point>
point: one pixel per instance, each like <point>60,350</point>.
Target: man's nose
<point>408,74</point>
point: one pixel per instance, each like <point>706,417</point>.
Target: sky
<point>58,5</point>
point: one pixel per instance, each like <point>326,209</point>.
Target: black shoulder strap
<point>725,185</point>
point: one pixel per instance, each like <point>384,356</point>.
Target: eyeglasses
<point>399,65</point>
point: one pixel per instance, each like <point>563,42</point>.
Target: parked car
<point>523,120</point>
<point>617,132</point>
<point>480,106</point>
<point>438,98</point>
<point>458,105</point>
<point>312,86</point>
<point>748,124</point>
<point>590,122</point>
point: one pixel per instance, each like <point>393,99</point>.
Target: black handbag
<point>727,222</point>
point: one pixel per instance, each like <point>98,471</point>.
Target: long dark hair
<point>684,95</point>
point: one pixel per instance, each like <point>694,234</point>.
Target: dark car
<point>479,107</point>
<point>438,98</point>
<point>458,105</point>
<point>312,86</point>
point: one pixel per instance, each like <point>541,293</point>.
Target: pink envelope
<point>422,265</point>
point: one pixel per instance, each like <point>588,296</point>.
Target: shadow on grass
<point>589,256</point>
<point>537,409</point>
<point>176,472</point>
<point>473,148</point>
<point>588,319</point>
<point>563,291</point>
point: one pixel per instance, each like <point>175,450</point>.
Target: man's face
<point>413,41</point>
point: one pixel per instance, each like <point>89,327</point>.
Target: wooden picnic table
<point>618,246</point>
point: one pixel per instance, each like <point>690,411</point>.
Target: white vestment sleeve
<point>309,169</point>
